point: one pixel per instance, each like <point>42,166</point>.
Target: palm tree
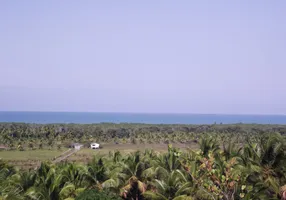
<point>133,169</point>
<point>97,169</point>
<point>208,144</point>
<point>169,161</point>
<point>69,191</point>
<point>7,191</point>
<point>231,150</point>
<point>265,163</point>
<point>23,180</point>
<point>48,183</point>
<point>113,170</point>
<point>173,186</point>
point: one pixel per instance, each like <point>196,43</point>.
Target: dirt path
<point>65,155</point>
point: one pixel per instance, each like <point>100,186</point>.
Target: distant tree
<point>133,140</point>
<point>141,140</point>
<point>51,144</point>
<point>31,145</point>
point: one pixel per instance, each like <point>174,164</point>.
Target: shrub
<point>96,195</point>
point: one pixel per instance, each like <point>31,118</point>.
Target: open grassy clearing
<point>32,158</point>
<point>29,159</point>
<point>85,154</point>
<point>40,155</point>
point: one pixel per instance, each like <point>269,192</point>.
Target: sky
<point>163,56</point>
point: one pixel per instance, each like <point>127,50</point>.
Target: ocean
<point>90,117</point>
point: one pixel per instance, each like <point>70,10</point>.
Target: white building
<point>94,146</point>
<point>76,146</point>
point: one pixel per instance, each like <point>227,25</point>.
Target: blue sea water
<point>89,117</point>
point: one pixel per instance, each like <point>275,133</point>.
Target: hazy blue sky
<point>143,56</point>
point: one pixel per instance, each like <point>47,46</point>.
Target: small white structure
<point>94,146</point>
<point>77,146</point>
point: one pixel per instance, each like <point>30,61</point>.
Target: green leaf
<point>154,196</point>
<point>183,197</point>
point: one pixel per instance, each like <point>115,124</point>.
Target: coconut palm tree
<point>170,161</point>
<point>7,191</point>
<point>70,191</point>
<point>47,185</point>
<point>173,186</point>
<point>76,174</point>
<point>97,169</point>
<point>22,181</point>
<point>265,163</point>
<point>207,144</point>
<point>133,168</point>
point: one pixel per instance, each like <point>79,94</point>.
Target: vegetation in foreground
<point>254,169</point>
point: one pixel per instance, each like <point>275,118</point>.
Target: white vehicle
<point>94,146</point>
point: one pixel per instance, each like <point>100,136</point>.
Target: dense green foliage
<point>37,136</point>
<point>96,195</point>
<point>225,167</point>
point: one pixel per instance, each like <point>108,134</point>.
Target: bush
<point>96,195</point>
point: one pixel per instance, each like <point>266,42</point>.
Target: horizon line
<point>158,113</point>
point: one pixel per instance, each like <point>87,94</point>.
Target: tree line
<point>23,136</point>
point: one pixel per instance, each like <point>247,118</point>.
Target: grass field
<point>85,154</point>
<point>33,158</point>
<point>29,159</point>
<point>40,155</point>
